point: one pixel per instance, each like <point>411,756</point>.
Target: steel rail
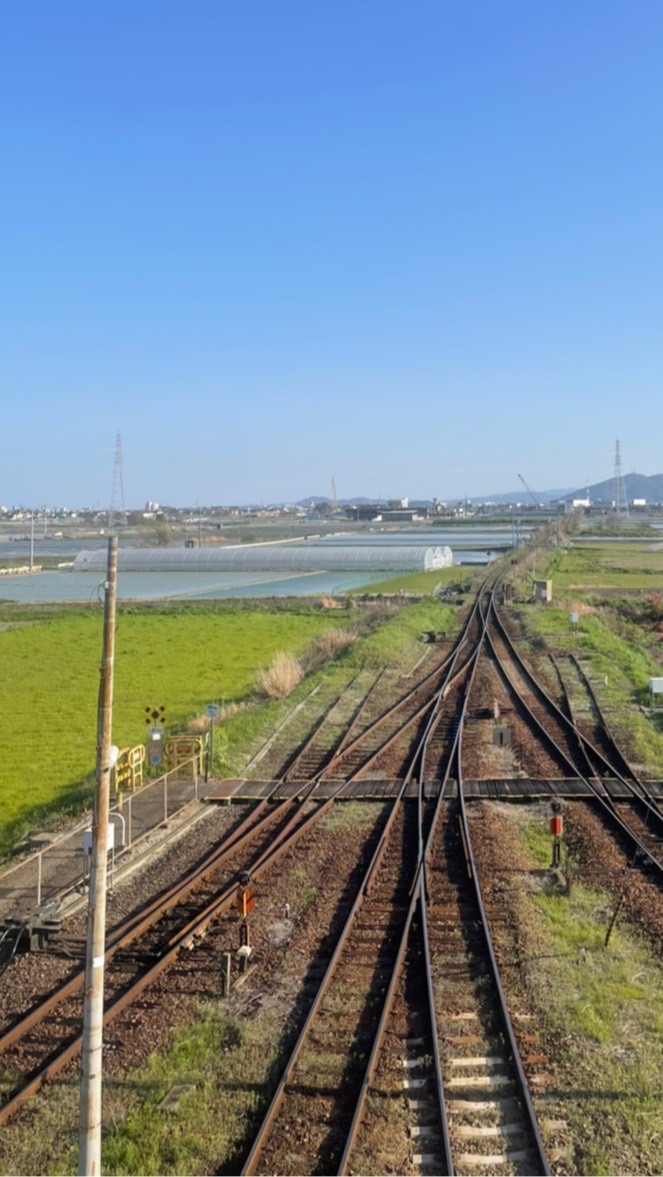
<point>543,1164</point>
<point>143,921</point>
<point>253,1158</point>
<point>388,714</point>
<point>129,931</point>
<point>568,723</point>
<point>288,772</point>
<point>419,900</point>
<point>196,926</point>
<point>448,664</point>
<point>630,800</point>
<point>278,1097</point>
<point>627,768</point>
<point>582,747</point>
<point>138,924</point>
<point>604,799</point>
<point>418,889</point>
<point>350,731</point>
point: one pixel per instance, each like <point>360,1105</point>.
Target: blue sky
<point>416,247</point>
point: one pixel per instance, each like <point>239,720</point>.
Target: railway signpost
<point>154,718</point>
<point>246,901</point>
<point>556,830</point>
<point>212,711</point>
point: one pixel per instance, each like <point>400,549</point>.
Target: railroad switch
<point>18,936</point>
<point>501,736</point>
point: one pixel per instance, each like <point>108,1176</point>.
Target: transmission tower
<point>621,502</point>
<point>117,508</point>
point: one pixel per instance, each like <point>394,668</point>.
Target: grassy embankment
<point>174,656</point>
<point>605,1005</point>
<point>420,582</point>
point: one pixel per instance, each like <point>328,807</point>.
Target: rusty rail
<point>604,800</point>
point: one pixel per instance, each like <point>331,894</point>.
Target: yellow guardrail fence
<point>129,771</point>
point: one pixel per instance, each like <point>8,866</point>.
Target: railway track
<point>141,949</point>
<point>456,1043</point>
<point>407,1007</point>
<point>639,819</point>
<point>310,1125</point>
<point>331,734</point>
<point>144,945</point>
<point>312,1118</point>
<point>303,1129</point>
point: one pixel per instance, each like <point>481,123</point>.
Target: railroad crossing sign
<point>155,716</point>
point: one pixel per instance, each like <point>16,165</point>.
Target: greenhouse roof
<point>266,557</point>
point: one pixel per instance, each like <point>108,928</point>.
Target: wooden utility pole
<point>89,1151</point>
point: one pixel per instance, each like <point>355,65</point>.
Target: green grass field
<point>175,658</point>
<point>606,565</point>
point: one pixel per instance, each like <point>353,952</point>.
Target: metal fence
<point>58,866</point>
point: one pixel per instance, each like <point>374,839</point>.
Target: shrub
<point>281,677</point>
<point>325,647</point>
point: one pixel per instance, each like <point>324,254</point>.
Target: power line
<point>117,507</point>
<point>621,502</point>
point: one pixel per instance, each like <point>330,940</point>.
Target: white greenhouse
<point>268,558</point>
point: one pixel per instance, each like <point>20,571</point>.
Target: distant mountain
<point>514,496</point>
<point>637,486</point>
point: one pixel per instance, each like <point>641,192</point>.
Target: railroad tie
<point>506,1106</point>
<point>422,1109</point>
<point>428,1160</point>
<point>482,1082</point>
<point>490,1160</point>
<point>478,1060</point>
<point>489,1130</point>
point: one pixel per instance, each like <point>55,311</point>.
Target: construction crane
<point>530,492</point>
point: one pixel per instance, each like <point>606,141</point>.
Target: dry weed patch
<point>281,677</point>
